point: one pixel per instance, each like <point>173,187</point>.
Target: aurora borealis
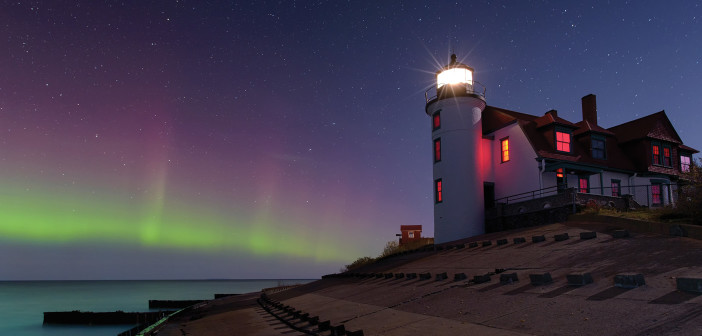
<point>191,140</point>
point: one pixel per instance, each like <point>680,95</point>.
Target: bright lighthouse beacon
<point>457,132</point>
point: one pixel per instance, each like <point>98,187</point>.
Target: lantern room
<point>455,73</point>
<point>454,80</point>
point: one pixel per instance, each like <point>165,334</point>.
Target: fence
<point>649,195</point>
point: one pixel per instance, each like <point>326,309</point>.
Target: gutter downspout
<point>630,188</point>
<point>541,177</point>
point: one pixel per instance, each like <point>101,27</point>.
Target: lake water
<point>22,303</point>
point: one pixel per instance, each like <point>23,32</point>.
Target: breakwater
<point>158,304</point>
<point>103,318</point>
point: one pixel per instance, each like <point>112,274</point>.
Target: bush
<point>690,193</point>
<point>671,214</point>
<point>391,248</point>
<point>357,263</point>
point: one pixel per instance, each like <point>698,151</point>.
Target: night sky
<point>196,140</point>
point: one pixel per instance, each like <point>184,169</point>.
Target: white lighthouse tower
<point>457,132</point>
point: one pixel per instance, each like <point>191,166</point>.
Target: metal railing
<point>529,195</point>
<point>644,194</point>
<point>431,94</point>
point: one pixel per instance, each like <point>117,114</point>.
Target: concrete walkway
<point>401,306</point>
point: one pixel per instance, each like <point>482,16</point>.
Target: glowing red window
<point>666,156</point>
<point>563,141</point>
<point>559,173</point>
<point>436,121</point>
<point>656,194</point>
<point>505,149</point>
<point>584,185</point>
<point>438,191</point>
<point>656,154</point>
<point>616,185</point>
<point>437,150</point>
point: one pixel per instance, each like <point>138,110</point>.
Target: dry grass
<point>666,215</point>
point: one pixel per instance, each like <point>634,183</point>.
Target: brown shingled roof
<point>688,148</point>
<point>655,126</point>
<point>551,117</point>
<point>585,126</point>
<point>495,118</point>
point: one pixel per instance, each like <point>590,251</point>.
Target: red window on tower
<point>656,154</point>
<point>438,196</point>
<point>437,150</point>
<point>505,149</point>
<point>436,121</point>
<point>563,141</point>
<point>666,156</point>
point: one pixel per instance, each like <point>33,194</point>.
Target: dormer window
<point>656,150</point>
<point>598,147</point>
<point>661,154</point>
<point>563,140</point>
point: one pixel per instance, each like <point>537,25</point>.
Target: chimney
<point>553,113</point>
<point>590,109</point>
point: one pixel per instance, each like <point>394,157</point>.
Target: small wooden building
<point>410,233</point>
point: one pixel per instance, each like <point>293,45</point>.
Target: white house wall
<point>641,189</point>
<point>488,157</point>
<point>519,174</point>
<point>607,177</point>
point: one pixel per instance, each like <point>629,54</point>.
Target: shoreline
<point>391,304</point>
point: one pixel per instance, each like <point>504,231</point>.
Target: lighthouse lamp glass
<point>454,76</point>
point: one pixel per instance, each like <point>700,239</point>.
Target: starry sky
<point>222,139</point>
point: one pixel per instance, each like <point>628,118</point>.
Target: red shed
<point>410,233</point>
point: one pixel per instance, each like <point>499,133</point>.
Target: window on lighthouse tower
<point>437,150</point>
<point>438,192</point>
<point>436,121</point>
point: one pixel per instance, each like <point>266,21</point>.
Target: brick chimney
<point>590,109</point>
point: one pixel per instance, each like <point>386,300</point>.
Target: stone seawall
<point>634,225</point>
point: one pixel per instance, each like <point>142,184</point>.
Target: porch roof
<point>573,167</point>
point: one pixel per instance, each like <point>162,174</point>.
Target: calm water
<point>23,302</point>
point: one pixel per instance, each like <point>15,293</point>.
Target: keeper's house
<point>489,160</point>
<point>643,158</point>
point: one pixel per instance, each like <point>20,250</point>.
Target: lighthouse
<point>456,132</point>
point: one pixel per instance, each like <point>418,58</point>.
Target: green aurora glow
<point>43,217</point>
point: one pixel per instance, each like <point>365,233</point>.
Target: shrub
<point>357,263</point>
<point>690,193</point>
